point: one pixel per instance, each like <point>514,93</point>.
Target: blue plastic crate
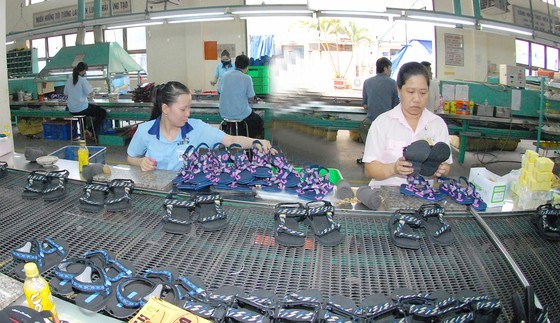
<point>59,130</point>
<point>96,153</point>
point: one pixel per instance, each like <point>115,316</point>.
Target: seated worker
<point>236,93</point>
<point>223,67</point>
<point>399,127</point>
<point>121,83</point>
<point>77,89</point>
<point>161,142</point>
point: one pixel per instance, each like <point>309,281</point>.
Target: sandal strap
<point>200,309</point>
<point>296,298</point>
<point>93,187</point>
<point>332,226</point>
<point>131,303</point>
<point>243,315</point>
<point>400,234</point>
<point>61,270</point>
<point>462,318</point>
<point>31,179</point>
<point>407,218</point>
<point>37,254</point>
<point>103,253</point>
<point>296,315</point>
<point>122,269</point>
<point>193,289</point>
<point>102,284</point>
<point>445,227</point>
<point>220,214</point>
<point>380,309</point>
<point>282,228</point>
<point>547,226</point>
<point>126,196</point>
<point>159,273</point>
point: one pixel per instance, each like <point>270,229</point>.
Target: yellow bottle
<point>83,155</point>
<point>37,290</point>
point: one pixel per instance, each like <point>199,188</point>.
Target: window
<point>70,40</point>
<point>534,56</point>
<point>552,58</point>
<point>54,44</point>
<point>521,52</point>
<point>115,35</point>
<point>537,55</point>
<point>136,38</point>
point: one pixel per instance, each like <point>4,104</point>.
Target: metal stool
<point>81,120</point>
<point>228,125</point>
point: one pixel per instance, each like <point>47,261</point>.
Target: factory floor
<point>302,149</point>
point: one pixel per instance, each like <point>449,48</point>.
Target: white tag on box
<point>491,187</point>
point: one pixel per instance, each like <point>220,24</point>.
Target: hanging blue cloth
<point>262,48</point>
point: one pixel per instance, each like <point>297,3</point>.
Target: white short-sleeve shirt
<point>390,133</point>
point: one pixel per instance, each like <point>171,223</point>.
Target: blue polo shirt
<point>77,94</point>
<point>168,154</point>
<point>235,90</point>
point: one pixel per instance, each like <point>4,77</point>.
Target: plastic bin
<point>59,130</point>
<point>96,153</point>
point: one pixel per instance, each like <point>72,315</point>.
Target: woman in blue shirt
<point>161,142</point>
<point>222,68</point>
<point>77,89</point>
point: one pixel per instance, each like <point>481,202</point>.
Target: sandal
<point>417,153</point>
<point>287,217</point>
<point>401,229</point>
<point>486,309</point>
<point>209,211</point>
<point>381,308</point>
<point>547,221</point>
<point>134,292</point>
<point>64,272</point>
<point>259,161</point>
<point>320,217</point>
<point>35,185</point>
<point>257,307</point>
<point>178,215</point>
<point>3,167</point>
<point>301,306</point>
<point>46,254</point>
<point>94,288</point>
<point>313,185</point>
<point>55,185</point>
<point>243,172</point>
<point>439,153</point>
<point>119,195</point>
<point>436,227</point>
<point>94,197</point>
<point>342,309</point>
<point>441,307</point>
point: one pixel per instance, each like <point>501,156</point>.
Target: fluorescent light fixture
<point>199,20</point>
<point>437,18</point>
<point>187,15</point>
<point>364,14</point>
<point>264,12</point>
<point>505,27</point>
<point>431,23</point>
<point>352,5</point>
<point>138,24</point>
<point>10,42</point>
<point>68,72</point>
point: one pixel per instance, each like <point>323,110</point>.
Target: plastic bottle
<point>7,131</point>
<point>37,290</point>
<point>83,155</point>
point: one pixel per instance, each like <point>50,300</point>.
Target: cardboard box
<point>492,188</point>
<point>157,310</point>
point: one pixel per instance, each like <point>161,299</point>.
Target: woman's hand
<point>403,167</point>
<point>442,170</point>
<point>148,164</point>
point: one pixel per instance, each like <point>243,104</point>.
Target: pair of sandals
<point>313,186</point>
<point>46,253</point>
<point>404,225</point>
<point>426,159</point>
<point>203,208</point>
<point>319,215</point>
<point>114,196</point>
<point>50,185</point>
<point>92,277</point>
<point>547,221</point>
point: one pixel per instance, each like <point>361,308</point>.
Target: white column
<point>5,117</point>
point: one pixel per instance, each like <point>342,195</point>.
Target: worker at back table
<point>237,94</point>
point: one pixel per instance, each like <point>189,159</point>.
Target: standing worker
<point>236,95</point>
<point>77,89</point>
<point>224,66</point>
<point>379,95</point>
<point>433,99</point>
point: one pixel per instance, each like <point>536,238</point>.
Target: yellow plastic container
<point>544,164</point>
<point>539,186</point>
<point>83,155</point>
<point>530,168</point>
<point>36,289</point>
<point>542,176</point>
<point>532,155</point>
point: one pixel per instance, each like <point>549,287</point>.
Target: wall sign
<point>454,51</point>
<point>70,13</point>
<point>522,17</point>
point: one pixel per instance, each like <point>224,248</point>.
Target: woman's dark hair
<point>76,71</point>
<point>411,69</point>
<point>225,53</point>
<point>166,94</point>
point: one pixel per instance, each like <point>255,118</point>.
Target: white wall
<point>5,117</point>
<point>175,51</point>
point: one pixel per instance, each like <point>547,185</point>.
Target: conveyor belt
<point>539,259</point>
<point>244,254</point>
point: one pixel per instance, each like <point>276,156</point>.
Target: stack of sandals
<point>318,215</point>
<point>462,192</point>
<point>547,221</point>
<point>404,227</point>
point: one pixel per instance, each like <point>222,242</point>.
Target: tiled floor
<point>302,149</point>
